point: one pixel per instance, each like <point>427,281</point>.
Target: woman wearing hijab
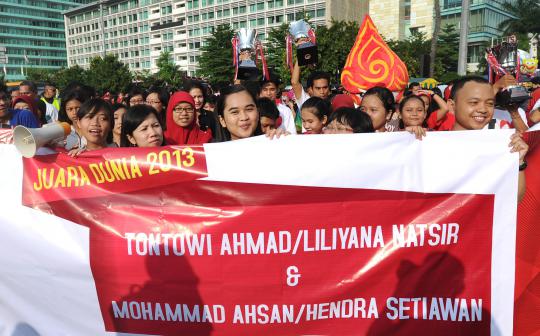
<point>182,128</point>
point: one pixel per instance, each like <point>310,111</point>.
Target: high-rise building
<point>485,18</point>
<point>32,32</point>
<point>139,30</point>
<point>397,19</point>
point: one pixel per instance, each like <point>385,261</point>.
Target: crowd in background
<point>200,113</point>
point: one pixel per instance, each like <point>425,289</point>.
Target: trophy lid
<point>299,29</point>
<point>246,39</point>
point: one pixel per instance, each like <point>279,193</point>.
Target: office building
<point>32,32</point>
<point>139,30</point>
<point>485,18</point>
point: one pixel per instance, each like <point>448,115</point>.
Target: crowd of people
<point>156,117</point>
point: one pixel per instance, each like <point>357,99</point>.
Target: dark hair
<point>267,108</point>
<point>385,95</point>
<point>413,84</point>
<point>402,105</point>
<point>135,91</point>
<point>48,83</point>
<point>94,105</point>
<point>223,133</point>
<point>80,95</point>
<point>316,75</point>
<point>196,85</point>
<point>134,116</point>
<point>163,95</point>
<point>359,121</point>
<point>253,87</point>
<point>460,83</point>
<point>30,84</point>
<point>321,107</point>
<point>76,86</point>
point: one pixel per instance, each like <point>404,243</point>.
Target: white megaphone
<point>28,140</point>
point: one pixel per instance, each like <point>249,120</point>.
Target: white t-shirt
<point>300,101</point>
<point>287,120</point>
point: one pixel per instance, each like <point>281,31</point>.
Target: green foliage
<point>108,73</point>
<point>447,53</point>
<point>215,62</point>
<point>334,44</point>
<point>40,75</point>
<point>65,76</point>
<point>275,51</point>
<point>411,50</point>
<point>526,14</point>
<point>168,72</point>
<point>145,78</point>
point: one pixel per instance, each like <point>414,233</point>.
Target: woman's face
<point>311,122</point>
<point>374,107</point>
<point>148,134</point>
<point>240,115</point>
<point>413,113</point>
<point>426,101</point>
<point>95,129</point>
<point>183,114</point>
<point>153,100</point>
<point>117,130</point>
<point>136,100</point>
<point>22,106</point>
<point>198,97</point>
<point>72,107</point>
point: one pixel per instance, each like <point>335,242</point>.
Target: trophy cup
<point>306,51</point>
<point>246,47</point>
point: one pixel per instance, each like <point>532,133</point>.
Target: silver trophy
<point>247,44</point>
<point>306,51</point>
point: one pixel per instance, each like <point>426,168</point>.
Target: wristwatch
<point>523,165</point>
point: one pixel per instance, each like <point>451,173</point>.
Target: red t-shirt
<point>445,124</point>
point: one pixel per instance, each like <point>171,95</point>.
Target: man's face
<point>320,88</point>
<point>25,90</point>
<point>269,90</point>
<point>473,106</point>
<point>4,104</point>
<point>49,92</point>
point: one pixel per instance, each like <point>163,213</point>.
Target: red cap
<point>342,100</point>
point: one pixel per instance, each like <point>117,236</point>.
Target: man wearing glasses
<point>10,118</point>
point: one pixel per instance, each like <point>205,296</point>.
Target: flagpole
<point>463,35</point>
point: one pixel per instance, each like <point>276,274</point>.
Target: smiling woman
<point>94,119</point>
<point>238,115</point>
<point>182,128</point>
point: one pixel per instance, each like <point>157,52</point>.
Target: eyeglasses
<point>188,110</point>
<point>340,129</point>
<point>150,102</point>
<point>136,101</point>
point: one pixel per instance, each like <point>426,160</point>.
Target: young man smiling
<point>472,100</point>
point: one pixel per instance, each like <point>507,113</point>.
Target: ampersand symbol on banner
<point>292,276</point>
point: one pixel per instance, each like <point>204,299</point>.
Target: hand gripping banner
<point>226,240</point>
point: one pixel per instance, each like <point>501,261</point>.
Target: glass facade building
<point>485,18</point>
<point>32,31</point>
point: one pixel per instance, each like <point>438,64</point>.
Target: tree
<point>447,53</point>
<point>39,75</point>
<point>108,74</point>
<point>525,17</point>
<point>168,71</point>
<point>275,50</point>
<point>215,62</point>
<point>411,50</point>
<point>435,38</point>
<point>334,44</point>
<point>68,75</point>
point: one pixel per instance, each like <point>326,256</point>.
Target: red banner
<point>171,254</point>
